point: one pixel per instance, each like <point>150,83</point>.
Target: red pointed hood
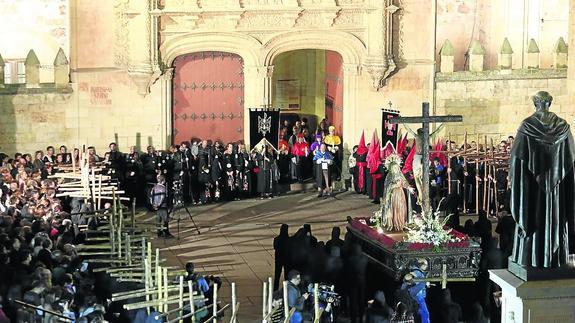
<point>362,148</point>
<point>373,156</point>
<point>386,151</point>
<point>408,164</point>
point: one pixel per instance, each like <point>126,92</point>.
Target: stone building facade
<point>121,53</point>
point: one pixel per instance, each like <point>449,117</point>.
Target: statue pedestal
<point>535,301</point>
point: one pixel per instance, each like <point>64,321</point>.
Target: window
<point>14,71</point>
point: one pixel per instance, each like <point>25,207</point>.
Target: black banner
<point>264,123</point>
<point>389,131</point>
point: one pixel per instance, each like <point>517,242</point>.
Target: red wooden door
<point>208,97</point>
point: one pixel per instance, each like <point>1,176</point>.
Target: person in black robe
<point>450,311</point>
<point>116,162</point>
<point>491,258</point>
<point>243,168</point>
<point>228,174</point>
<point>266,175</point>
<point>542,188</point>
<point>356,266</point>
<point>217,170</point>
<point>335,239</point>
<point>133,176</point>
<point>378,311</point>
<point>204,170</point>
<point>506,231</point>
<point>281,254</point>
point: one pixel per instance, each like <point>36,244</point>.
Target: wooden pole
<point>158,270</point>
<point>316,302</point>
<point>111,220</point>
<point>465,176</point>
<point>192,306</point>
<point>449,164</point>
<point>99,192</point>
<point>234,303</point>
<point>485,177</point>
<point>181,303</point>
<point>128,249</point>
<point>264,300</point>
<point>147,282</point>
<point>159,287</point>
<point>270,294</point>
<point>166,284</point>
<point>477,175</point>
<point>215,300</point>
<point>286,305</point>
<point>133,213</point>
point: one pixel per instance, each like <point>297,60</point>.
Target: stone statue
<point>542,189</point>
<point>418,166</point>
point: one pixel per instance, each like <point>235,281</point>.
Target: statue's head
<point>420,131</point>
<point>542,100</point>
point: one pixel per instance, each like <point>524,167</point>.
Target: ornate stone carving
<point>315,18</point>
<point>259,3</point>
<point>219,20</point>
<point>181,23</point>
<point>122,34</point>
<point>267,20</point>
<point>350,18</point>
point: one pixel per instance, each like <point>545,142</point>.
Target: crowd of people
<point>449,171</point>
<point>38,234</point>
<point>304,260</point>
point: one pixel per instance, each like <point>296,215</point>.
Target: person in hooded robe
<point>281,254</point>
<point>450,311</point>
<point>378,311</point>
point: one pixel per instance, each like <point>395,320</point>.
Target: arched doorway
<point>208,97</point>
<point>308,83</point>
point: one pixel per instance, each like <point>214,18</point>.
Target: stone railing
<point>32,83</point>
<point>505,59</point>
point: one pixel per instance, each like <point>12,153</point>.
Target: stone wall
<point>494,104</point>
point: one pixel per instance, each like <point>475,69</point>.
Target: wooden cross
<point>443,279</point>
<point>425,119</point>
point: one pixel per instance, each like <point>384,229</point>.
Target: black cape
<point>542,190</point>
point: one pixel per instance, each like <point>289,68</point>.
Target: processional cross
<point>425,119</point>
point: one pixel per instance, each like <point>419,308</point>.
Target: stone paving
<point>236,240</point>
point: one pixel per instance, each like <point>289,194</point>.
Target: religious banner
<point>264,123</point>
<point>389,130</point>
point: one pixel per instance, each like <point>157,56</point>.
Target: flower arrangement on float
<point>430,229</point>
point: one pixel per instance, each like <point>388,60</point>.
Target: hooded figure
<point>378,311</point>
<point>360,174</point>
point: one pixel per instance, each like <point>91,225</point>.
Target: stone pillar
<point>534,301</point>
<point>2,64</point>
<point>447,54</point>
<point>257,80</point>
<point>560,52</point>
<point>32,65</point>
<point>351,127</point>
<point>140,59</point>
<point>166,123</point>
<point>506,55</point>
<point>61,65</point>
<point>476,56</point>
<point>532,54</point>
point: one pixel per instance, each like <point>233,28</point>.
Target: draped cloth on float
<point>542,190</point>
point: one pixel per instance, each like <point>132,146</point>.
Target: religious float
<point>452,256</point>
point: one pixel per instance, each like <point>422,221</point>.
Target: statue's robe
<point>542,190</point>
